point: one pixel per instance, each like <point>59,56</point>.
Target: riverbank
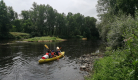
<point>19,35</point>
<point>43,39</point>
<point>25,37</point>
<point>87,62</point>
<point>115,65</point>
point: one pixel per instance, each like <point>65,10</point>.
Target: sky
<point>84,7</point>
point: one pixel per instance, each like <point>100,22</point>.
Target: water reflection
<point>19,61</point>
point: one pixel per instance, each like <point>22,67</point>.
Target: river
<point>19,60</point>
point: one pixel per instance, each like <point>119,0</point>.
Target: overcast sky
<point>84,7</point>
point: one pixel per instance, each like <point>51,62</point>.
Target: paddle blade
<point>46,46</point>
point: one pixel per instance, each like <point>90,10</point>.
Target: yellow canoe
<point>51,59</point>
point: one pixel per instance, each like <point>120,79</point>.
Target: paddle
<point>46,46</point>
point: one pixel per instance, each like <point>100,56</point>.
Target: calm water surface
<point>19,61</point>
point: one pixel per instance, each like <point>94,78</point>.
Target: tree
<point>51,18</point>
<point>115,6</point>
<point>5,24</point>
<point>60,24</point>
<point>25,15</point>
<point>43,20</point>
<point>15,23</point>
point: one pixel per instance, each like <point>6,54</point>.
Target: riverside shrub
<point>121,63</point>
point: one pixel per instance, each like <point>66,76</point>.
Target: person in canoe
<point>49,54</point>
<point>57,53</point>
<point>53,53</point>
<point>46,56</point>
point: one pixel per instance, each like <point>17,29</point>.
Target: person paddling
<point>57,51</point>
<point>50,56</point>
<point>53,53</point>
<point>46,56</point>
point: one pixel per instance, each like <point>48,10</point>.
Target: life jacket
<point>47,53</point>
<point>52,53</point>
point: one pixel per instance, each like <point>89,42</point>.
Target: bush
<point>120,64</point>
<point>121,25</point>
<point>79,36</point>
<point>113,67</point>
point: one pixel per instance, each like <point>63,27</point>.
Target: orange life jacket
<point>47,53</point>
<point>52,53</point>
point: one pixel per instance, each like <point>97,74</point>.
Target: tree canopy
<point>42,20</point>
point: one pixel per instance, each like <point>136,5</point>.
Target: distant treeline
<point>43,20</point>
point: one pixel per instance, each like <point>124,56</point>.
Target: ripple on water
<point>22,62</point>
<point>29,69</point>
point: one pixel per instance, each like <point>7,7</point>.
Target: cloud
<point>84,7</point>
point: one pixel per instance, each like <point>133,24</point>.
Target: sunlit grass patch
<point>19,35</point>
<point>43,39</point>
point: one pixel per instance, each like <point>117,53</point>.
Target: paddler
<point>46,56</point>
<point>57,51</point>
<point>50,56</point>
<point>52,53</point>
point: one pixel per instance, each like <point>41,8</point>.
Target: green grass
<point>118,66</point>
<point>43,39</point>
<point>19,35</point>
<point>25,37</point>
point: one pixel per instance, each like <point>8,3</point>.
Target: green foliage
<point>19,35</point>
<point>43,39</point>
<point>113,15</point>
<point>7,17</point>
<point>117,29</point>
<point>43,20</point>
<point>113,7</point>
<point>16,26</point>
<point>120,31</point>
<point>79,36</point>
<point>118,66</point>
<point>121,63</point>
<point>114,29</point>
<point>4,20</point>
<point>104,25</point>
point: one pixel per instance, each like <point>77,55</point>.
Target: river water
<point>19,60</point>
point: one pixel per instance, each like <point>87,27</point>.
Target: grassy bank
<point>43,39</point>
<point>120,64</point>
<point>111,68</point>
<point>26,37</point>
<point>19,35</point>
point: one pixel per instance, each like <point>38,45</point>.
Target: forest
<point>43,20</point>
